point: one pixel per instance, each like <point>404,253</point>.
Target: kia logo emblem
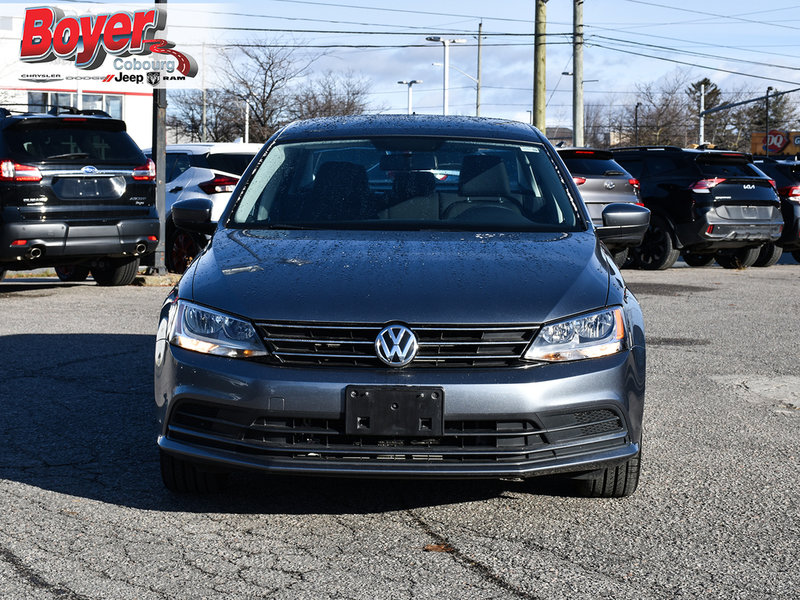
<point>396,345</point>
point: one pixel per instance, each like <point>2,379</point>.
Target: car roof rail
<point>71,110</point>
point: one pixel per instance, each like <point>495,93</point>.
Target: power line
<point>681,62</point>
<point>708,14</point>
<point>406,11</point>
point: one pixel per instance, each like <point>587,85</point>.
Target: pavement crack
<point>36,580</point>
<point>483,571</point>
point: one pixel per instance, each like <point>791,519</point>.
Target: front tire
<point>184,477</point>
<point>616,481</point>
<point>657,251</point>
<point>740,258</point>
<point>115,271</point>
<point>697,260</point>
<point>181,249</point>
<point>620,257</point>
<point>796,255</point>
<point>72,272</point>
<point>768,255</point>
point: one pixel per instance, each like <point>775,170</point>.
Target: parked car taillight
<point>634,184</point>
<point>11,171</point>
<point>218,185</point>
<point>579,180</point>
<point>790,191</point>
<point>704,185</point>
<point>147,172</point>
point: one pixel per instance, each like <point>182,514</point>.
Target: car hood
<point>414,277</point>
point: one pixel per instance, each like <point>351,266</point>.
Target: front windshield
<point>407,183</point>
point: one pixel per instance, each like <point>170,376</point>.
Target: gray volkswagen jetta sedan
<point>409,297</point>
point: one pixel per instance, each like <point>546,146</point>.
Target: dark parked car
<point>77,194</point>
<point>707,205</point>
<point>786,175</point>
<point>356,314</point>
<point>601,181</point>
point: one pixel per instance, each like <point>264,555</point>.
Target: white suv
<point>199,170</point>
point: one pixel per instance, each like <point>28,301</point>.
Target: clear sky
<point>737,44</point>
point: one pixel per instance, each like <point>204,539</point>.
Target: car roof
<point>696,151</point>
<point>590,153</point>
<point>8,119</point>
<point>212,148</point>
<point>409,126</point>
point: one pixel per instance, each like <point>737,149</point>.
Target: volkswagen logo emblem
<point>89,170</point>
<point>396,345</point>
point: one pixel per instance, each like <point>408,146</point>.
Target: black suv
<point>77,194</point>
<point>706,205</point>
<point>786,174</point>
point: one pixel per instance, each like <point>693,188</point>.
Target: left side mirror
<point>624,225</point>
<point>194,214</point>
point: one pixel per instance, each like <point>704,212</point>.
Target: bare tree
<point>330,96</point>
<point>224,122</point>
<point>262,75</point>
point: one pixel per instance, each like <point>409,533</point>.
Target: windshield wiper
<point>69,155</point>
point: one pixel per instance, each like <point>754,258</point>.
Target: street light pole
<point>409,84</point>
<point>446,75</point>
<point>636,123</point>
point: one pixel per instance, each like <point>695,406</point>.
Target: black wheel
<point>620,257</point>
<point>183,477</point>
<point>657,252</point>
<point>741,258</point>
<point>617,481</point>
<point>697,260</point>
<point>181,249</point>
<point>115,271</point>
<point>72,272</point>
<point>796,255</point>
<point>768,255</point>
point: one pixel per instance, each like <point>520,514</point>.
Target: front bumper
<point>517,422</point>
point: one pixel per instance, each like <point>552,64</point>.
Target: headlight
<point>211,332</point>
<point>589,336</point>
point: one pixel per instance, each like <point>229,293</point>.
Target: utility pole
<point>539,65</point>
<point>478,82</point>
<point>702,114</point>
<point>159,150</point>
<point>766,125</point>
<point>577,73</point>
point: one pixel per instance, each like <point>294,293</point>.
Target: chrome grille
<point>350,344</point>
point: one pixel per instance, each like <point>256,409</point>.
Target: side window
<point>660,165</point>
<point>177,163</point>
<point>634,165</point>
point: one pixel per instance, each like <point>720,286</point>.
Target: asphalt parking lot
<point>83,513</point>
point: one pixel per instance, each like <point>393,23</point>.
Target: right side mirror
<point>624,225</point>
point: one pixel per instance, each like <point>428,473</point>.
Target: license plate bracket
<point>394,411</point>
